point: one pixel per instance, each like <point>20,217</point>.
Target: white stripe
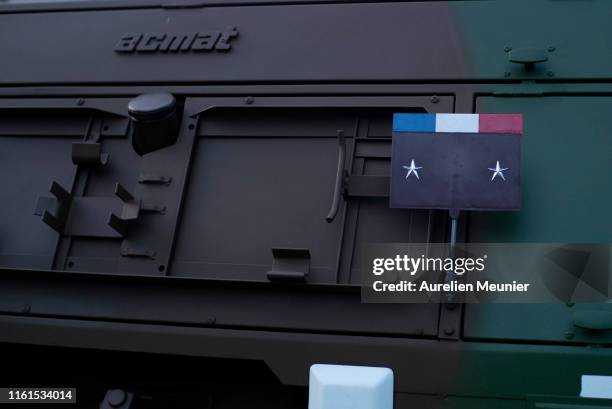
<point>457,123</point>
<point>595,386</point>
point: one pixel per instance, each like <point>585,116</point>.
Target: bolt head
<point>116,397</point>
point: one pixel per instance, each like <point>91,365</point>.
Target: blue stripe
<point>414,122</point>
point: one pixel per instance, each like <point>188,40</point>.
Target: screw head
<point>26,309</point>
<point>550,74</point>
<point>551,48</point>
<point>569,335</point>
<point>249,100</point>
<point>507,74</point>
<point>434,99</point>
<point>80,101</point>
<point>507,49</point>
<point>570,304</point>
<point>449,331</point>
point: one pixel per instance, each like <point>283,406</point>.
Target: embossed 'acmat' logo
<point>202,41</point>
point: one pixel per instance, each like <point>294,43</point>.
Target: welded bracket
<point>63,201</point>
<point>290,264</point>
<point>88,154</point>
<point>130,210</point>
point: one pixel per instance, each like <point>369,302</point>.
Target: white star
<point>412,169</point>
<point>498,170</point>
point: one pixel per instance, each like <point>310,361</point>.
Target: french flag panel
<point>459,123</point>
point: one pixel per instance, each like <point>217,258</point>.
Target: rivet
<point>249,100</point>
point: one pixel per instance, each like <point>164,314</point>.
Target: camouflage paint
<point>567,191</point>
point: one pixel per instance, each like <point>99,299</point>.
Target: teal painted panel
<point>572,35</point>
<point>567,197</point>
<point>567,172</point>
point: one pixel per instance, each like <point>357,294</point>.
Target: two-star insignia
<point>413,169</point>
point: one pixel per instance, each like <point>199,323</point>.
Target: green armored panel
<point>567,197</point>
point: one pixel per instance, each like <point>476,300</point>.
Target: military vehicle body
<point>263,90</point>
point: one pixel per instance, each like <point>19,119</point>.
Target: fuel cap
<point>154,120</point>
<point>151,107</point>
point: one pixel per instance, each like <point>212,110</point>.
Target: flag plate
<point>456,161</point>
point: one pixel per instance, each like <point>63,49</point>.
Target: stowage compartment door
<point>567,147</point>
<point>263,178</point>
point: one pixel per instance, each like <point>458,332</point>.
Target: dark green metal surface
<point>567,197</point>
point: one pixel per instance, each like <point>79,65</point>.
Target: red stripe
<point>500,123</point>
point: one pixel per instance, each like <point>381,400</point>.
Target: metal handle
<point>527,56</point>
<point>339,178</point>
<point>593,319</point>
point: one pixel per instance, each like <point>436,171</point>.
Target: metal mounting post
<point>451,275</point>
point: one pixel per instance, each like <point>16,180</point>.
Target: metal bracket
<point>127,250</point>
<point>130,210</point>
<point>85,216</point>
<point>88,153</point>
<point>149,179</point>
<point>290,264</point>
<point>58,220</point>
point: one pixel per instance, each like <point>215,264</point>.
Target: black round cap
<point>151,107</point>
